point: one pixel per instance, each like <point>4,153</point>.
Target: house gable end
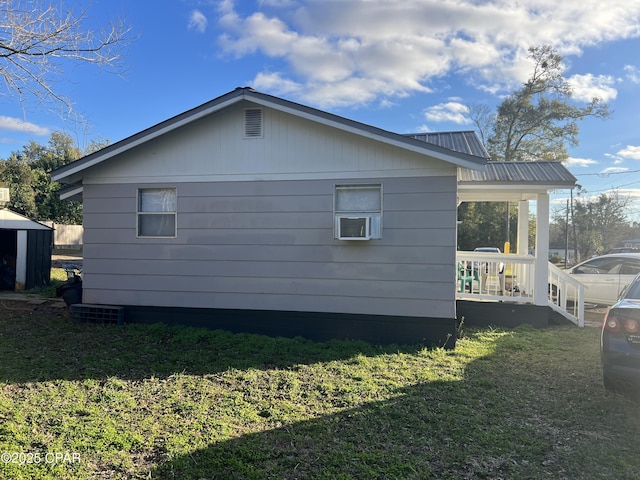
<point>279,146</point>
<point>73,173</point>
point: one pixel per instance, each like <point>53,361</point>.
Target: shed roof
<point>14,221</point>
<point>461,157</point>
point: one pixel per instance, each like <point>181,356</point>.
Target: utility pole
<point>575,238</point>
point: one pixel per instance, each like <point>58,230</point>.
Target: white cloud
<point>198,21</point>
<point>632,194</point>
<point>587,87</point>
<point>609,170</point>
<point>448,112</point>
<point>633,74</point>
<point>17,125</point>
<point>580,162</point>
<point>617,160</point>
<point>277,3</point>
<point>272,81</point>
<point>630,151</point>
<point>394,49</point>
<point>423,129</point>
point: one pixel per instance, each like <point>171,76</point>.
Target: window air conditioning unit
<point>354,228</point>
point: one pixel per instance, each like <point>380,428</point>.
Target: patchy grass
<point>134,401</point>
<point>58,277</point>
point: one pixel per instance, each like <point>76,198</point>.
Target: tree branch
<point>37,40</point>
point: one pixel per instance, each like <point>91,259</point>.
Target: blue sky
<point>402,65</point>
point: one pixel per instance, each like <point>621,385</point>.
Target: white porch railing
<point>511,278</point>
<point>566,295</point>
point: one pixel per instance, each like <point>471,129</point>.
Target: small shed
<point>25,252</point>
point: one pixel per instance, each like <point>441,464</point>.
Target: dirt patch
<point>594,316</point>
<point>39,306</point>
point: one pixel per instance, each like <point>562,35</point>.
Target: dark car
<point>620,343</point>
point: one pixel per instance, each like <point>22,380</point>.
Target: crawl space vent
<point>253,123</point>
<point>103,314</point>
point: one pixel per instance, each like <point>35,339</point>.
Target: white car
<point>500,265</point>
<point>487,249</point>
<point>605,277</point>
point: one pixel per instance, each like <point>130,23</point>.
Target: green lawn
<point>133,401</point>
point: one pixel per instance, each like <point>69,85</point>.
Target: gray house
<point>253,213</point>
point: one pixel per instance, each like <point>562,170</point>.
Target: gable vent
<point>253,123</point>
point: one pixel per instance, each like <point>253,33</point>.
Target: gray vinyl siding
<point>269,245</point>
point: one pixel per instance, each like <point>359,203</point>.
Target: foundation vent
<point>103,314</point>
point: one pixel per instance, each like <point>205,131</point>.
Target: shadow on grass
<point>513,413</point>
<point>40,345</point>
<point>509,414</point>
<point>421,433</point>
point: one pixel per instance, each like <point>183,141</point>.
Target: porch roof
<point>513,180</point>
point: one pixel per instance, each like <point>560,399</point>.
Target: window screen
<point>157,212</point>
<point>357,201</point>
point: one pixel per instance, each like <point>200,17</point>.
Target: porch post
<point>522,247</point>
<point>540,293</point>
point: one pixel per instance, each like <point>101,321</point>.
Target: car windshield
<point>600,265</point>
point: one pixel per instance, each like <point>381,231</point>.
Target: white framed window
<point>358,211</point>
<point>157,212</point>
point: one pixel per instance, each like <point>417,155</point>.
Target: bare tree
<point>38,38</point>
<point>483,118</point>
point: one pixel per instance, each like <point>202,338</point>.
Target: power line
<point>604,175</point>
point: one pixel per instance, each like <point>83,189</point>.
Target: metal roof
<point>463,142</point>
<point>10,220</point>
<point>550,174</point>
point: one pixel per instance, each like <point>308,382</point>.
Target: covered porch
<point>516,287</point>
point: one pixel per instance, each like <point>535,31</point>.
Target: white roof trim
<point>71,191</point>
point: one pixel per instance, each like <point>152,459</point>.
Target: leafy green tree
<point>539,121</point>
<point>484,224</point>
<point>19,178</point>
<point>600,224</point>
<point>32,191</point>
